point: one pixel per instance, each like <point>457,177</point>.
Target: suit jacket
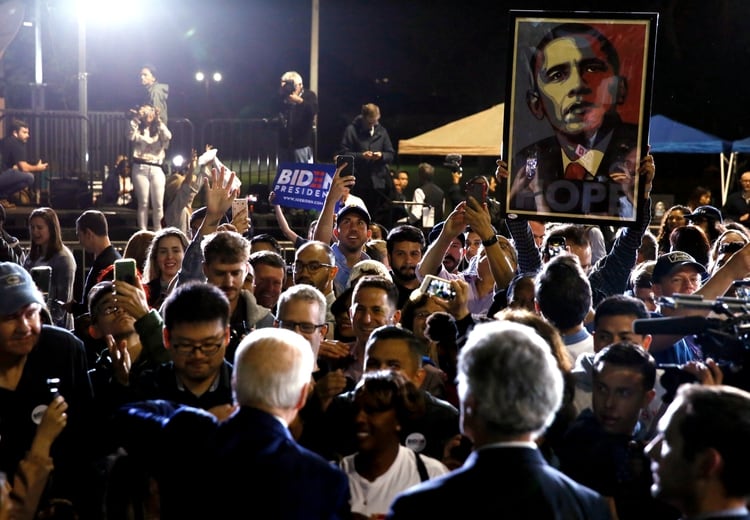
<point>735,206</point>
<point>293,481</point>
<point>501,482</point>
<point>550,170</point>
<point>245,467</point>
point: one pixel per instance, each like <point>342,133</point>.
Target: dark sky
<point>425,62</point>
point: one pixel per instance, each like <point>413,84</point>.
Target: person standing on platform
<point>150,138</point>
<point>298,116</point>
<point>368,141</point>
<point>157,93</point>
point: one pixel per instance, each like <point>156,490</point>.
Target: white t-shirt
<point>369,498</point>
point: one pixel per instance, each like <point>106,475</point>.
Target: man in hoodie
<point>156,93</point>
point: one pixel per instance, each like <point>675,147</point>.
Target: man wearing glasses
<point>315,264</point>
<point>302,309</point>
<point>195,334</point>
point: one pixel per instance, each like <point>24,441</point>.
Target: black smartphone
<point>348,171</point>
<point>478,190</point>
<point>125,270</point>
<point>42,276</point>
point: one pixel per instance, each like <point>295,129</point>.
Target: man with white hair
<point>509,388</point>
<point>270,383</point>
<point>298,115</point>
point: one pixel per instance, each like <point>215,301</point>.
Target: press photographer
<point>724,341</point>
<point>298,114</point>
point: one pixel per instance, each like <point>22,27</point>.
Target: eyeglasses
<point>109,310</point>
<point>313,267</point>
<point>305,328</point>
<point>207,349</point>
<point>730,247</point>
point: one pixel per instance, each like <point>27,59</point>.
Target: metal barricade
<point>247,146</point>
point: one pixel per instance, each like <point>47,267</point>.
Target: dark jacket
<point>296,122</point>
<point>288,481</point>
<point>374,184</point>
<point>502,482</point>
<point>551,174</point>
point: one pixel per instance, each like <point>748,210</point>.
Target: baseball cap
<point>17,288</point>
<point>453,161</point>
<point>368,267</point>
<point>707,212</point>
<point>354,208</point>
<point>669,262</point>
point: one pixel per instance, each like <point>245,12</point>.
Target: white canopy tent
<point>477,134</point>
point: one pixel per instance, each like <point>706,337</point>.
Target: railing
<point>248,146</point>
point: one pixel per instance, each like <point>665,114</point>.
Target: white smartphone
<point>439,287</point>
<point>239,204</point>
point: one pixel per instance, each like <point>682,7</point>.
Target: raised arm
<point>281,220</point>
<point>433,257</point>
<point>324,229</point>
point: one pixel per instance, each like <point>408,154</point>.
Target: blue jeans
<point>13,181</point>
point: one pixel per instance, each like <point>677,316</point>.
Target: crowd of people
<point>478,367</point>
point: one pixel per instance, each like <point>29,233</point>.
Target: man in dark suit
<point>700,455</point>
<point>509,388</point>
<point>204,465</point>
<point>582,168</point>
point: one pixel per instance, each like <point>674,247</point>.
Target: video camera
<point>287,88</point>
<point>725,340</point>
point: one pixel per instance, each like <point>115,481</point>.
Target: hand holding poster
<point>302,185</point>
<point>577,122</point>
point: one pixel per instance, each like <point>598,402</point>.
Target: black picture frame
<point>580,92</point>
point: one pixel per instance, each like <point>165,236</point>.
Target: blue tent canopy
<point>669,136</point>
<point>741,146</point>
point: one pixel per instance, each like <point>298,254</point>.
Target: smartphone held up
<point>348,160</point>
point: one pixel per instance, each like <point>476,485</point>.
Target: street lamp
<point>206,79</point>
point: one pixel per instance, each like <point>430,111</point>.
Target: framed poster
<point>577,120</point>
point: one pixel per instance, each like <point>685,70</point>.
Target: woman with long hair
<point>673,218</point>
<point>47,249</point>
<point>163,261</point>
<point>150,138</point>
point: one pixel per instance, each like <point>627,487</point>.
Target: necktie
<point>575,172</point>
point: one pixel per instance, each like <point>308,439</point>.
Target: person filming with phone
<point>493,271</point>
<point>150,138</point>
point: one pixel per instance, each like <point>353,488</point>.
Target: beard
<point>405,273</point>
<point>450,263</point>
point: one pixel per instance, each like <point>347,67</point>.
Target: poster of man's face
<point>577,120</point>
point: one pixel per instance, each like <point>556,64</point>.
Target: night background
<point>424,63</point>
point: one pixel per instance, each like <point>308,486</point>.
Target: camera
<point>724,339</point>
<point>287,88</point>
